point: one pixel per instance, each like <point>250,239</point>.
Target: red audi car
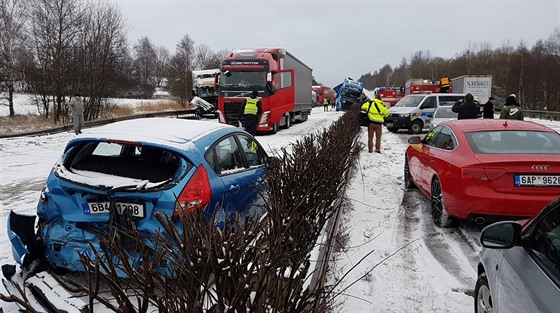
<point>484,169</point>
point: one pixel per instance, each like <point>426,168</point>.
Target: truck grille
<point>232,112</point>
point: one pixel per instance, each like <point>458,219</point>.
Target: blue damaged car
<point>138,168</point>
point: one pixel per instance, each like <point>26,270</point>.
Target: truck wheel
<point>415,127</point>
<point>274,128</point>
<point>288,121</point>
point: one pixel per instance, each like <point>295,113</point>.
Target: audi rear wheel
<point>408,183</point>
<point>439,214</point>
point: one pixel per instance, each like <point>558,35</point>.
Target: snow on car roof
<point>172,132</point>
<point>470,125</point>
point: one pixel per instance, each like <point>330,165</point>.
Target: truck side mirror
<point>269,77</point>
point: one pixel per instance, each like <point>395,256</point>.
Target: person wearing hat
<point>251,111</point>
<point>511,110</point>
<point>488,109</point>
<point>466,108</point>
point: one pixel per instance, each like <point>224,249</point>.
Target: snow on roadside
<point>400,274</point>
<point>24,104</point>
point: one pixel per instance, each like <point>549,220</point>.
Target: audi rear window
<point>125,160</point>
<point>514,142</point>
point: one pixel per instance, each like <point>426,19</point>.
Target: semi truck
<point>322,93</point>
<point>347,93</point>
<point>480,86</point>
<point>283,83</point>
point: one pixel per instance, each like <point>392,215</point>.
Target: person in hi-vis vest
<point>251,111</point>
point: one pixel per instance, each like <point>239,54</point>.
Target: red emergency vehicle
<point>392,95</point>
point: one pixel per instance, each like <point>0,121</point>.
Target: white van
<point>414,112</point>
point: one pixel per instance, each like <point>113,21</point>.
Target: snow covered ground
<point>408,264</point>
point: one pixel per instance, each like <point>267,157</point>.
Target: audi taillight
<point>196,194</point>
<point>482,174</point>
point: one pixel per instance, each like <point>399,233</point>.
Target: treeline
<point>57,48</point>
<point>533,74</point>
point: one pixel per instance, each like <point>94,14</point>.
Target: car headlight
<point>402,115</point>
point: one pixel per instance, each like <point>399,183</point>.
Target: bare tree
<point>96,56</point>
<point>55,26</point>
<point>12,50</point>
<point>553,44</point>
<point>180,71</point>
<point>203,55</point>
<point>216,60</point>
<point>419,64</point>
<point>162,62</point>
<point>145,58</point>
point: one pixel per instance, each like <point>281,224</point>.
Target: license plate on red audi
<point>135,209</point>
<point>537,180</point>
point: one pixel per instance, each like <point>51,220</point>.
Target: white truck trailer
<point>480,86</point>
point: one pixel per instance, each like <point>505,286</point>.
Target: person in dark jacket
<point>251,111</point>
<point>511,110</point>
<point>466,108</point>
<point>488,111</point>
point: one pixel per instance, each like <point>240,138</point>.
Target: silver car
<point>519,268</point>
<point>442,114</point>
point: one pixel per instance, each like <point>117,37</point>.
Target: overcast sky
<point>345,37</point>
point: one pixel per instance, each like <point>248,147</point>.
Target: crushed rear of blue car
<point>129,174</point>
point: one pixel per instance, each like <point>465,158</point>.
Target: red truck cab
<point>282,81</point>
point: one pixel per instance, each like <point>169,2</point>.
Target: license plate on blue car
<point>135,209</point>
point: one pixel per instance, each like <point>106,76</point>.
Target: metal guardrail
<point>190,114</point>
<point>543,115</point>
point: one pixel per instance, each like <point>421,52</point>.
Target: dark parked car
<point>138,168</point>
<point>519,268</point>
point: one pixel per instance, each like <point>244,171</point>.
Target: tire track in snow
<point>408,220</point>
<point>436,241</point>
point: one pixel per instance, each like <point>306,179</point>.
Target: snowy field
<point>397,260</point>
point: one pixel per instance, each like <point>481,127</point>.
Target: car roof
<point>172,132</point>
<point>444,108</point>
<point>470,125</point>
<point>437,94</point>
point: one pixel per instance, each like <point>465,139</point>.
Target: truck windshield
<point>410,101</point>
<point>243,80</point>
<point>206,92</point>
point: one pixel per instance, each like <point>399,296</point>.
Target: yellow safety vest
<point>325,101</point>
<point>251,106</point>
<point>373,114</point>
